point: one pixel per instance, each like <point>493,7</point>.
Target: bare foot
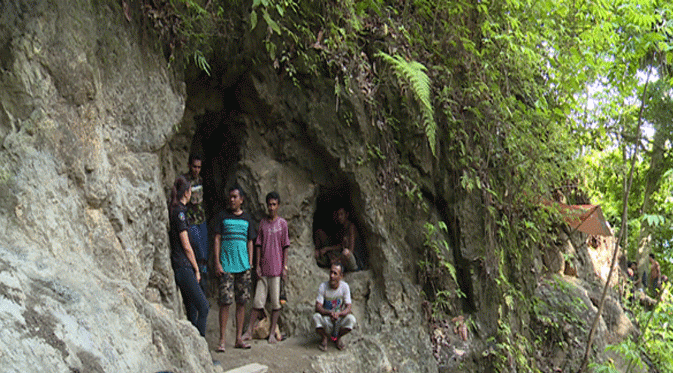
<point>323,345</point>
<point>272,338</point>
<point>246,336</point>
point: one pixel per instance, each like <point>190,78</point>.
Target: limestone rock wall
<point>86,102</point>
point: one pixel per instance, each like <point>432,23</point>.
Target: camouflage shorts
<point>232,285</point>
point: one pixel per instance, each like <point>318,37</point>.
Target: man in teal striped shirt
<point>234,235</point>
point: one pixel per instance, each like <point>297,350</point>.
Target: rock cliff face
<point>86,283</point>
<point>94,126</point>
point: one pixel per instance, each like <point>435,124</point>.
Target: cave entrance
<point>214,130</point>
<point>219,138</point>
<point>219,132</point>
<point>329,231</point>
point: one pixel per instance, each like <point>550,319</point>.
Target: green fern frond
<point>201,61</point>
<point>413,74</point>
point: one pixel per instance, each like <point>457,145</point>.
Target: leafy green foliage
<point>607,367</point>
<point>186,28</point>
<point>436,266</point>
<point>413,74</point>
<point>657,333</point>
<point>201,62</point>
<point>650,203</point>
<point>513,350</point>
<point>653,219</point>
<point>271,11</point>
<point>631,352</point>
<point>655,341</point>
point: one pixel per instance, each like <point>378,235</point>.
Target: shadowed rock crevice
<point>42,325</point>
<point>90,363</point>
<point>462,265</point>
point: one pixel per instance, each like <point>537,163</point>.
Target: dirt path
<point>292,355</point>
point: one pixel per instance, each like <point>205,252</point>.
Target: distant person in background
<point>632,273</point>
<point>655,275</point>
<point>271,265</point>
<point>634,281</point>
<point>347,248</point>
<point>333,318</point>
<point>234,235</point>
<point>183,260</point>
<point>196,215</point>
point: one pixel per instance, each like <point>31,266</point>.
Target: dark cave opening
<point>220,131</point>
<point>219,136</point>
<point>332,198</point>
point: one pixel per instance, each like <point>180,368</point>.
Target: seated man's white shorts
<point>325,322</point>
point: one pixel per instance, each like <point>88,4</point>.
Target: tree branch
<point>629,182</point>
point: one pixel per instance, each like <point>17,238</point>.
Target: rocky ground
<point>294,355</point>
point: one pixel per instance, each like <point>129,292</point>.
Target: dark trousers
<point>195,300</point>
<point>198,237</point>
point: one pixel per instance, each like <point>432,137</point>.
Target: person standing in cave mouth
<point>196,215</point>
<point>234,235</point>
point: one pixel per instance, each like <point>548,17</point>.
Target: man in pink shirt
<point>270,257</point>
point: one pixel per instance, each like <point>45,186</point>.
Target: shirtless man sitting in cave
<point>349,250</point>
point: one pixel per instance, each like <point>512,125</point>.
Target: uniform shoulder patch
<point>182,216</point>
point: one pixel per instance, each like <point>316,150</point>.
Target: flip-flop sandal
<point>322,347</point>
<point>243,346</point>
<point>221,348</point>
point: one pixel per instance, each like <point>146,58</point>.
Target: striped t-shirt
<point>235,232</point>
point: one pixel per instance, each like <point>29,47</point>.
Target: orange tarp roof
<point>584,218</point>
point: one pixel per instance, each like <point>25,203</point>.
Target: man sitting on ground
<point>333,318</point>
